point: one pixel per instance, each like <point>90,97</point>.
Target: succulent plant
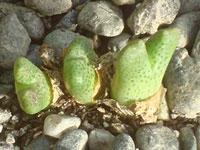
<point>140,67</point>
<point>79,75</point>
<point>33,87</point>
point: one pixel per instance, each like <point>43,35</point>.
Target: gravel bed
<point>37,29</point>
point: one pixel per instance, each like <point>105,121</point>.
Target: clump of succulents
<point>138,72</point>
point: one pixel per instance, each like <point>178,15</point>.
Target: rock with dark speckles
<point>156,137</point>
<point>123,142</point>
<point>151,14</point>
<point>182,80</point>
<point>72,140</point>
<point>14,40</point>
<point>102,18</point>
<point>28,18</point>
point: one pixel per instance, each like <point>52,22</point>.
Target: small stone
<point>187,139</point>
<point>49,7</point>
<point>55,125</point>
<point>14,41</point>
<point>40,143</point>
<point>105,124</point>
<point>117,43</point>
<point>10,139</point>
<point>153,137</point>
<point>123,142</point>
<point>123,2</point>
<point>7,77</point>
<point>28,18</point>
<point>72,140</point>
<point>189,5</point>
<point>69,20</point>
<point>59,39</point>
<point>34,55</point>
<point>183,84</point>
<point>151,14</point>
<point>189,25</point>
<point>4,116</point>
<point>100,139</point>
<point>101,18</point>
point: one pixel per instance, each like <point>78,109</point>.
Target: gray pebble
<point>7,77</point>
<point>4,116</point>
<point>123,142</point>
<point>101,18</point>
<point>123,2</point>
<point>189,5</point>
<point>59,39</point>
<point>183,84</point>
<point>196,47</point>
<point>49,7</point>
<point>151,14</point>
<point>117,43</point>
<point>5,89</point>
<point>68,20</point>
<point>72,140</point>
<point>100,139</point>
<point>187,139</point>
<point>154,137</point>
<point>14,40</point>
<point>28,18</point>
<point>197,134</point>
<point>34,54</point>
<point>189,25</point>
<point>40,143</point>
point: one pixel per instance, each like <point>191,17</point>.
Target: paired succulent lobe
<point>139,68</point>
<point>80,78</point>
<point>32,86</point>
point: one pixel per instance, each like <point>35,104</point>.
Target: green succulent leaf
<point>139,68</point>
<point>79,76</point>
<point>32,86</point>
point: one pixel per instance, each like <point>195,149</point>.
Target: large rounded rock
<point>154,137</point>
<point>49,7</point>
<point>100,139</point>
<point>72,140</point>
<point>189,25</point>
<point>182,79</point>
<point>189,5</point>
<point>102,18</point>
<point>123,142</point>
<point>151,14</point>
<point>59,39</point>
<point>28,18</point>
<point>14,40</point>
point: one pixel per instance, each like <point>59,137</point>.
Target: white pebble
<point>55,125</point>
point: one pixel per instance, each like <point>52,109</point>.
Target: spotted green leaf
<point>32,86</point>
<point>140,67</point>
<point>80,78</point>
